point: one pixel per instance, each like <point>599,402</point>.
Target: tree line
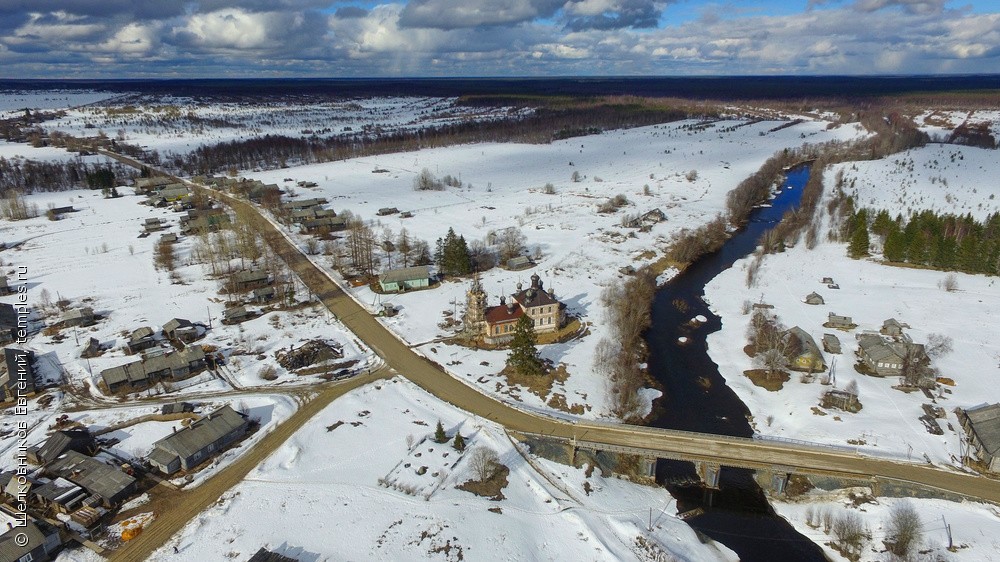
<point>26,176</point>
<point>944,241</point>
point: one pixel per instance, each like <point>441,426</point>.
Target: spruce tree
<point>523,356</point>
<point>439,434</point>
<point>459,443</point>
<point>859,242</point>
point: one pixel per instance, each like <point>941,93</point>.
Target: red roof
<point>501,314</point>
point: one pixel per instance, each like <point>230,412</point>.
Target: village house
<point>58,211</point>
<point>802,351</point>
<point>386,211</point>
<point>495,324</point>
<point>302,204</point>
<point>263,295</point>
<point>59,495</point>
<point>146,185</point>
<point>323,224</point>
<point>9,323</point>
<point>814,298</point>
<point>398,280</point>
<point>155,367</point>
<point>243,281</point>
<point>79,440</point>
<point>887,359</point>
<point>842,399</point>
<point>842,322</point>
<point>181,330</point>
<point>168,238</point>
<point>152,225</point>
<point>78,317</point>
<point>236,315</point>
<point>108,482</point>
<point>188,447</point>
<point>831,343</point>
<point>140,339</point>
<point>199,221</point>
<point>982,430</point>
<point>19,377</point>
<point>37,541</point>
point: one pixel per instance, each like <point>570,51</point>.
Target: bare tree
<point>404,246</point>
<point>850,532</point>
<point>938,345</point>
<point>949,283</point>
<point>903,530</point>
<point>484,463</point>
<point>511,243</point>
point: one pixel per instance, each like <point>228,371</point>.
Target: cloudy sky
<point>251,38</point>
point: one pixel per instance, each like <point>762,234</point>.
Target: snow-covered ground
<point>14,102</point>
<point>940,124</point>
<point>319,497</point>
<point>974,527</point>
<point>944,178</point>
<point>579,249</point>
<point>171,125</point>
<point>871,293</point>
<point>94,257</point>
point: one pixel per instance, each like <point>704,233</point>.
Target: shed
<point>263,294</point>
<point>831,343</point>
<point>837,321</point>
<point>79,440</point>
<point>385,211</point>
<point>814,298</point>
<point>168,238</point>
<point>396,280</point>
<point>265,555</point>
<point>893,327</point>
<point>78,317</point>
<point>235,314</point>
<point>140,339</point>
<point>519,262</point>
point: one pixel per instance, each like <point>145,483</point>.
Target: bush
<point>484,463</point>
<point>903,530</point>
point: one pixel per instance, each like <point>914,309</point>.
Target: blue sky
<point>254,38</point>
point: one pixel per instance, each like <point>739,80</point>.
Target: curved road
<point>398,357</point>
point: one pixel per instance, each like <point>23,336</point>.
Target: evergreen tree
<point>459,443</point>
<point>895,246</point>
<point>523,356</point>
<point>882,223</point>
<point>439,434</point>
<point>859,242</point>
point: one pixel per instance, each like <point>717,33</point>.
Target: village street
<point>400,359</point>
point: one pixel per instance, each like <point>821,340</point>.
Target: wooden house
<point>188,447</point>
<point>18,379</point>
<point>107,482</point>
<point>83,316</point>
<point>841,322</point>
<point>803,353</point>
<point>831,343</point>
<point>814,298</point>
<point>398,280</point>
<point>982,429</point>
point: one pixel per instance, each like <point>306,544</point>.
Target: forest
<point>942,241</point>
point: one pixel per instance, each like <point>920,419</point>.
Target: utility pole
<point>947,529</point>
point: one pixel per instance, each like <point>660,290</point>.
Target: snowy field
<point>941,124</point>
<point>974,526</point>
<point>944,178</point>
<point>579,249</point>
<point>172,125</point>
<point>871,293</point>
<point>14,102</point>
<point>323,485</point>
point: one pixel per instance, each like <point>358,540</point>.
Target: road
<point>191,502</point>
<point>398,357</point>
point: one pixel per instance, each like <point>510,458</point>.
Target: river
<point>696,398</point>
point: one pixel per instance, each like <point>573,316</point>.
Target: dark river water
<point>696,398</point>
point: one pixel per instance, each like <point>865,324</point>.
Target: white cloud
<point>133,39</point>
<point>229,28</point>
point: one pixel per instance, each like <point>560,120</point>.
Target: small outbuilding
<point>893,328</point>
<point>831,343</point>
<point>842,322</point>
<point>814,298</point>
<point>78,317</point>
